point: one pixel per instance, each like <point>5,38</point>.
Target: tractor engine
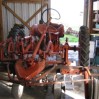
<point>26,54</point>
<point>53,33</point>
<point>8,48</point>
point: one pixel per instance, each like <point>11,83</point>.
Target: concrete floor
<point>41,93</point>
<point>29,92</point>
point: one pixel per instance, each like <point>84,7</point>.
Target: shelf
<point>94,20</point>
<point>95,11</point>
<point>95,29</point>
<point>94,17</point>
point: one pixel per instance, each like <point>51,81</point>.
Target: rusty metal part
<point>86,76</point>
<point>53,62</point>
<point>27,73</point>
<point>71,71</point>
<point>46,73</point>
<point>87,70</point>
<point>53,82</point>
<point>38,45</point>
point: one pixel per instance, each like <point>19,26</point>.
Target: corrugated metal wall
<point>24,10</point>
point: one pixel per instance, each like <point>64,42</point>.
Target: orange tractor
<point>36,59</point>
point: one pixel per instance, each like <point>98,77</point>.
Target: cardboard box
<point>96,5</point>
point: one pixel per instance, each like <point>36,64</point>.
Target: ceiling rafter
<point>26,1</point>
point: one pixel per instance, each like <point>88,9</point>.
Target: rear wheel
<point>57,91</point>
<point>84,46</point>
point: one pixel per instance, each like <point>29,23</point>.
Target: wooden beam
<point>36,13</point>
<point>20,19</point>
<point>85,20</point>
<point>28,1</point>
<point>90,16</point>
<point>1,23</point>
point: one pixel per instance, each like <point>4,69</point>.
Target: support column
<point>90,16</point>
<point>85,20</point>
<point>1,22</point>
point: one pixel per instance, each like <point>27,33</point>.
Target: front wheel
<point>17,91</point>
<point>57,91</point>
<point>84,39</point>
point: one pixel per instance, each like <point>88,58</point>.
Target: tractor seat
<point>59,28</point>
<point>56,29</point>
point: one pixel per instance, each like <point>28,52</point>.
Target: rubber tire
<point>17,91</point>
<point>84,39</point>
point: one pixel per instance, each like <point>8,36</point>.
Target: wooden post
<point>90,16</point>
<point>85,21</point>
<point>1,23</point>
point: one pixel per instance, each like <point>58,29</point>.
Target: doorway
<point>71,11</point>
<point>72,16</point>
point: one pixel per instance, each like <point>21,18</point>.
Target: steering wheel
<point>42,15</point>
